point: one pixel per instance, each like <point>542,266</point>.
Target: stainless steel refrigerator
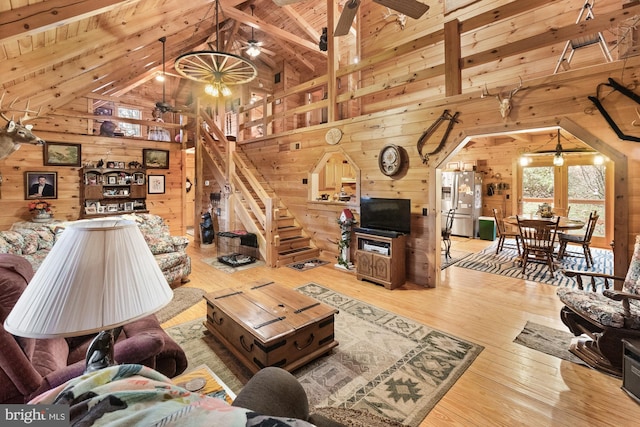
<point>462,191</point>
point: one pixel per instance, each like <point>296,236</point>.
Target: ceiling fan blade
<point>346,18</point>
<point>412,8</point>
<point>285,2</point>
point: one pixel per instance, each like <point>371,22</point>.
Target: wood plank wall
<point>545,103</point>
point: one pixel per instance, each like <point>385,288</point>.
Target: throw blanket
<point>134,395</point>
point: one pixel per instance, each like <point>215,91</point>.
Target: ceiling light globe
<point>558,160</point>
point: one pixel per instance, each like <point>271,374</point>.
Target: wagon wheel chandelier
<point>218,69</point>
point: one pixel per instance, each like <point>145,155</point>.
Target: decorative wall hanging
<point>390,160</point>
<point>504,102</point>
<point>333,136</point>
<point>453,119</point>
<point>626,92</point>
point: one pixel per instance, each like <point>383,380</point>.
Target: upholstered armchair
<point>30,366</point>
<point>606,318</point>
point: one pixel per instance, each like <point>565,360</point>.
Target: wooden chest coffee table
<point>270,325</point>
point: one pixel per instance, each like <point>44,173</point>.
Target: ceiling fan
<point>163,105</point>
<point>412,8</point>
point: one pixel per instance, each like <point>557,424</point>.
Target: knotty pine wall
<point>13,204</point>
<point>546,102</point>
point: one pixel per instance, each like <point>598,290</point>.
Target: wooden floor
<point>508,384</point>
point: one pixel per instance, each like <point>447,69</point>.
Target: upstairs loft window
<point>130,130</point>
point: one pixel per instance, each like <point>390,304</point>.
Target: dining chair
<point>538,240</point>
<point>446,233</point>
<point>577,239</point>
<point>504,233</point>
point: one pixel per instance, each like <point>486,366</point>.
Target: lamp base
<point>100,351</point>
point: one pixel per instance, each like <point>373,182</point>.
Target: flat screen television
<point>386,214</point>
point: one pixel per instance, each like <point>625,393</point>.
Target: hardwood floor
<point>508,384</point>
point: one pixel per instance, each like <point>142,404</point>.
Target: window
<point>130,129</point>
<point>579,185</point>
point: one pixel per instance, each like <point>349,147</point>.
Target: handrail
<point>492,17</point>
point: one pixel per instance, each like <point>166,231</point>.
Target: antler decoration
<point>401,19</point>
<point>26,110</point>
<point>505,101</point>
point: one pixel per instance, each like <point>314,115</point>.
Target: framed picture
<point>128,206</point>
<point>155,159</point>
<point>90,210</point>
<point>62,154</point>
<point>112,208</point>
<point>40,185</point>
<point>155,184</point>
<point>111,180</point>
<point>100,209</point>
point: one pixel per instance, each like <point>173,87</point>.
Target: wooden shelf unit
<point>381,259</point>
<point>112,191</point>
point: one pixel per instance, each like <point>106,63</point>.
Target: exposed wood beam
<point>555,35</point>
<point>39,17</point>
<point>299,57</point>
<point>139,32</point>
<point>302,23</point>
<point>274,31</point>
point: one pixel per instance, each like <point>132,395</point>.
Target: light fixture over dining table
<point>219,70</point>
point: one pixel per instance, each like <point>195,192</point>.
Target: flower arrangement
<point>40,207</point>
<point>545,210</point>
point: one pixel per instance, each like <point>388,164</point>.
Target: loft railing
<point>449,68</point>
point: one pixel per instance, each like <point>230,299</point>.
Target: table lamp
<point>99,276</point>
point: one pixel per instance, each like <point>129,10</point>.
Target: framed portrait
<point>62,154</point>
<point>155,159</point>
<point>155,184</point>
<point>128,206</point>
<point>40,185</point>
<point>112,179</point>
<point>100,209</point>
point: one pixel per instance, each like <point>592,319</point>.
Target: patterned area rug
<point>548,340</point>
<point>453,259</point>
<point>506,264</point>
<point>213,262</point>
<point>183,298</point>
<point>307,265</point>
<point>386,365</point>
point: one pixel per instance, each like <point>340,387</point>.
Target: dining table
<point>565,223</point>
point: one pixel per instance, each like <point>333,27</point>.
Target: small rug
<point>506,263</point>
<point>385,364</point>
<point>183,298</point>
<point>213,262</point>
<point>454,258</point>
<point>548,340</point>
<point>307,265</point>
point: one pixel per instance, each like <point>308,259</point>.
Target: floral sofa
<point>33,241</point>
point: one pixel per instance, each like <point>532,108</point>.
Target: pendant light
<point>217,69</point>
<point>558,158</point>
<point>253,48</point>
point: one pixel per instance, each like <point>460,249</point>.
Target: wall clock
<point>390,160</point>
<point>333,136</point>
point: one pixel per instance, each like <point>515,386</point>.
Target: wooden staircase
<point>281,239</point>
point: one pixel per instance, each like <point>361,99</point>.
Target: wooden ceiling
<point>55,51</point>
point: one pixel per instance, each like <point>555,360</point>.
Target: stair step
<point>299,255</point>
<point>293,243</point>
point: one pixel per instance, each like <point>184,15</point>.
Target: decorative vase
<point>42,217</point>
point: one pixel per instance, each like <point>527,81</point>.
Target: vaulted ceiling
<point>55,51</point>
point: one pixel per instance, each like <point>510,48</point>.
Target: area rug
<point>506,263</point>
<point>547,340</point>
<point>385,364</point>
<point>213,262</point>
<point>308,264</point>
<point>183,298</point>
<point>453,259</point>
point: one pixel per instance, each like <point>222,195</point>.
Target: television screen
<point>386,214</point>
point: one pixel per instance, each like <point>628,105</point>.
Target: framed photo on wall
<point>62,154</point>
<point>40,185</point>
<point>155,159</point>
<point>155,184</point>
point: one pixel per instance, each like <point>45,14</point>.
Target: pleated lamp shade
<point>99,275</point>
